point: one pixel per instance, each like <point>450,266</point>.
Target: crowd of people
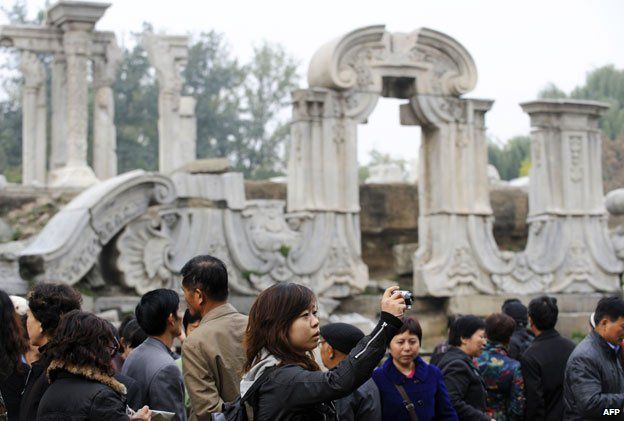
<point>58,362</point>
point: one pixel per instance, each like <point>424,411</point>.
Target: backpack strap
<point>258,383</point>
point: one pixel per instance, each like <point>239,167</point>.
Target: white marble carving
<point>177,126</point>
<point>34,117</point>
<point>68,35</point>
<point>70,244</point>
<point>104,132</point>
<point>385,173</point>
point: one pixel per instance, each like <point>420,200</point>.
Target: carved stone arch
<point>359,66</point>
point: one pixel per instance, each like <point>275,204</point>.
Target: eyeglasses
<point>114,348</point>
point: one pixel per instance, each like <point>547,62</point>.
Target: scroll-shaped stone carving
<point>70,243</point>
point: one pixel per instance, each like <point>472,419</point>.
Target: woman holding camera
<point>282,332</point>
<point>409,387</point>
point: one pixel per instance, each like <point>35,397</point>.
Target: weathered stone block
<point>403,258</point>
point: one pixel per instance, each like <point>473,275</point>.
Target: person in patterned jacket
<point>502,374</point>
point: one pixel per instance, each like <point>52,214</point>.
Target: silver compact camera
<point>407,296</point>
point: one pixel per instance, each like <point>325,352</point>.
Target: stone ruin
<point>133,232</point>
<point>68,36</point>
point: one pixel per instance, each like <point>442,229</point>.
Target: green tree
<point>136,110</point>
<point>270,77</point>
<point>215,79</point>
<point>510,158</point>
<point>604,84</point>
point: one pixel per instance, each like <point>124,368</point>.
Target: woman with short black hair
<point>406,374</point>
<point>463,380</point>
<point>82,382</point>
<point>46,304</point>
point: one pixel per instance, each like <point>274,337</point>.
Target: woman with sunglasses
<point>82,382</point>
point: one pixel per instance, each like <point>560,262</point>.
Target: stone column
<point>33,120</point>
<point>104,132</point>
<point>456,249</point>
<point>568,236</point>
<point>76,20</point>
<point>323,191</point>
<point>58,150</point>
<point>187,145</point>
<point>168,56</point>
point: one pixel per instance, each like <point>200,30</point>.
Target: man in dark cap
<point>337,341</point>
<point>522,338</point>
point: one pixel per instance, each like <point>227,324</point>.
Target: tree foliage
<point>510,157</point>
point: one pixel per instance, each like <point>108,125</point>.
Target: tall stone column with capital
<point>568,236</point>
<point>104,132</point>
<point>76,20</point>
<point>33,120</point>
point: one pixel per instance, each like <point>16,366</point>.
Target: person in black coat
<point>13,367</point>
<point>82,383</point>
<point>282,332</point>
<point>46,304</point>
<point>337,340</point>
<point>594,378</point>
<point>522,338</point>
<point>463,381</point>
<point>543,363</point>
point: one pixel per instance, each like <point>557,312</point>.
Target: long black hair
<point>12,342</point>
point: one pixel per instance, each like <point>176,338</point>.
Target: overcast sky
<point>518,46</point>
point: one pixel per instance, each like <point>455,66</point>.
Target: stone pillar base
<point>73,176</point>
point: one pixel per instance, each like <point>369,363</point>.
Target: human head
<point>131,335</point>
<point>12,341</point>
<point>190,321</point>
<point>157,312</point>
<point>46,304</point>
<point>516,310</point>
<point>82,339</point>
<point>205,283</point>
<point>468,334</point>
<point>609,318</point>
<point>499,327</point>
<point>283,321</point>
<point>405,345</point>
<point>543,313</point>
<point>338,339</point>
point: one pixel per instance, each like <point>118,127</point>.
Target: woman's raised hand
<point>393,303</point>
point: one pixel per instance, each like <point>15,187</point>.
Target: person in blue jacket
<point>423,383</point>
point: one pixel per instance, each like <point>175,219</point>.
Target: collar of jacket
<point>151,341</point>
<point>215,313</point>
<point>547,334</point>
<point>90,373</point>
<point>602,343</point>
<point>497,347</point>
<point>399,378</point>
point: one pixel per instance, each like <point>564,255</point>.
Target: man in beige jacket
<point>213,355</point>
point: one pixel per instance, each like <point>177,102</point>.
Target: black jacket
<point>543,368</point>
<point>11,388</point>
<point>36,386</point>
<point>82,394</point>
<point>520,341</point>
<point>594,381</point>
<point>295,394</point>
<point>464,384</point>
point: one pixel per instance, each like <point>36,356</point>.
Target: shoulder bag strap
<point>409,405</point>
